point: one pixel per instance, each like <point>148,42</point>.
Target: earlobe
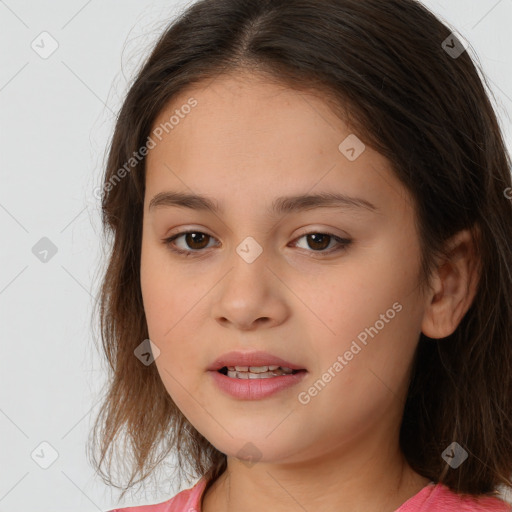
<point>454,286</point>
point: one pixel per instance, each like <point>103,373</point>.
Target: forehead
<point>253,136</point>
<point>246,113</point>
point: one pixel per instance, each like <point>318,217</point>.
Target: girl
<point>308,296</point>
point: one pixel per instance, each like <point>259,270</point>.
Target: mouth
<point>257,372</point>
<point>254,375</point>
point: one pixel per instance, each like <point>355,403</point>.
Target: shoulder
<point>187,500</point>
<point>440,498</point>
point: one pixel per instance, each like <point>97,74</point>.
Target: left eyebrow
<point>281,205</point>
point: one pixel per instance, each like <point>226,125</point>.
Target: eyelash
<point>343,242</point>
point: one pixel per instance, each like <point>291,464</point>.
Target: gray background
<point>56,118</point>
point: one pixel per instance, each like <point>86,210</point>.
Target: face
<point>331,288</point>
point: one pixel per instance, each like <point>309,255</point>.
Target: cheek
<point>344,302</point>
<point>177,360</point>
<point>372,318</point>
<point>164,296</point>
<point>168,304</point>
<point>155,296</point>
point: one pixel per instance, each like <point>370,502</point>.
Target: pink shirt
<point>432,498</point>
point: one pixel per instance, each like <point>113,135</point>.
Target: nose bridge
<point>247,294</point>
<point>247,263</point>
<point>249,250</point>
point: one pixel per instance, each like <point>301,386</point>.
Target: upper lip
<point>257,358</point>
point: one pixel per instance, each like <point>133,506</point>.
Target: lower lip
<point>255,389</point>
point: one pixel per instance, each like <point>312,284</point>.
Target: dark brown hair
<point>382,67</point>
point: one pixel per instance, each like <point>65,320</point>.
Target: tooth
<point>258,369</point>
<point>238,375</point>
<point>233,372</point>
<point>265,375</point>
<point>250,375</point>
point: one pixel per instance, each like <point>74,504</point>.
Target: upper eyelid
<point>303,232</point>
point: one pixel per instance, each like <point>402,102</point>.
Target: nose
<point>251,295</point>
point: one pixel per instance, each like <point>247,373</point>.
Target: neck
<point>341,481</point>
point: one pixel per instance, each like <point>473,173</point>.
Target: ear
<point>454,286</point>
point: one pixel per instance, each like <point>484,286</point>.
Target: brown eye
<point>196,240</point>
<point>318,241</point>
<point>192,241</point>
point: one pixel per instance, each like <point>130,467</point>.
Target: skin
<point>247,142</point>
